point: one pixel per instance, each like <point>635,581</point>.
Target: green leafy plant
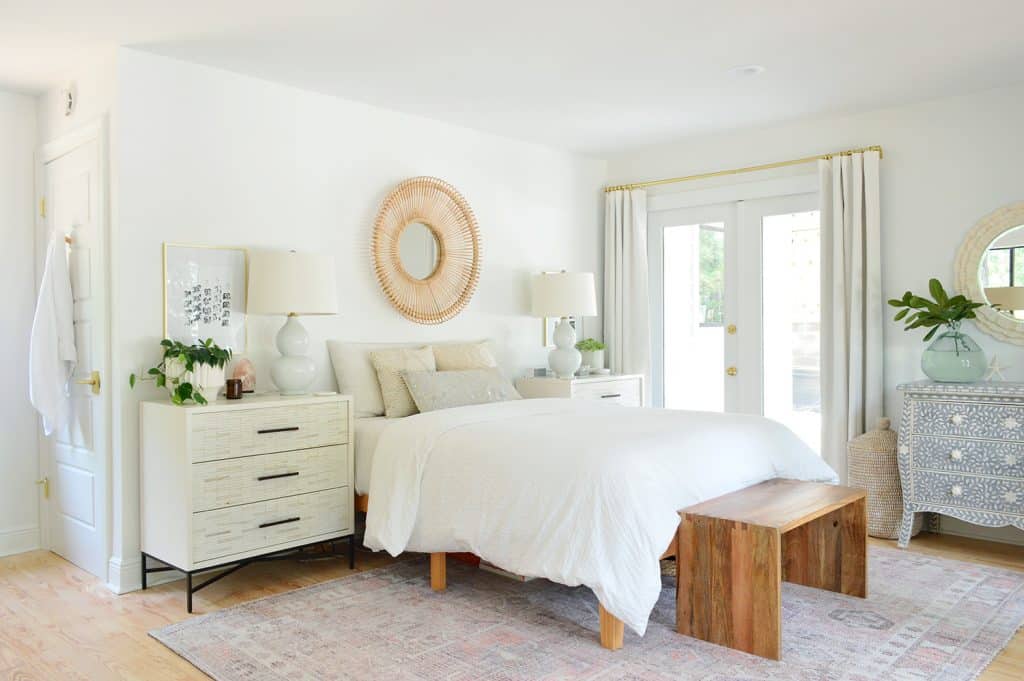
<point>918,311</point>
<point>589,345</point>
<point>178,361</point>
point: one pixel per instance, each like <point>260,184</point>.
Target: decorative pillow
<point>389,365</point>
<point>432,390</point>
<point>461,356</point>
<point>356,375</point>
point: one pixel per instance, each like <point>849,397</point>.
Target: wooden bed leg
<point>438,572</point>
<point>612,629</point>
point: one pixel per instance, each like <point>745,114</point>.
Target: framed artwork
<point>548,325</point>
<point>204,294</point>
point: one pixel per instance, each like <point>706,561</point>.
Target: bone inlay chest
<point>961,452</point>
<point>234,480</point>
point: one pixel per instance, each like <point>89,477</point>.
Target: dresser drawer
<point>241,529</point>
<point>988,457</point>
<point>967,491</point>
<point>243,480</point>
<point>969,419</point>
<point>623,391</point>
<point>227,434</point>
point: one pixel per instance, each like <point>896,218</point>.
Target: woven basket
<point>872,466</point>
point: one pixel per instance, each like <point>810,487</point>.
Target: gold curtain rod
<point>748,169</point>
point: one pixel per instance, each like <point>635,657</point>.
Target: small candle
<point>234,389</point>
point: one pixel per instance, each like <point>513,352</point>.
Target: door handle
<point>45,482</point>
<point>93,380</point>
<point>731,371</point>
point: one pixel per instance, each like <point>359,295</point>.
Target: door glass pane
<point>694,294</point>
<point>791,316</point>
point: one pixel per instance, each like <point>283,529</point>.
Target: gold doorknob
<point>731,329</point>
<point>93,380</point>
<point>45,482</point>
<point>731,371</point>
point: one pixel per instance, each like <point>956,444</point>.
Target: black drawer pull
<point>605,397</point>
<point>276,430</point>
<point>277,475</point>
<point>281,522</point>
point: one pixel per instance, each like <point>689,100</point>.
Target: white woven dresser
<point>230,482</point>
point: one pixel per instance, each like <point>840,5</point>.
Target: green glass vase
<point>954,357</point>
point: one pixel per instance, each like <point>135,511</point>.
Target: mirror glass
<point>1001,273</point>
<point>418,249</point>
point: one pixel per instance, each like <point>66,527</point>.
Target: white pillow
<point>462,356</point>
<point>356,375</point>
<point>390,365</point>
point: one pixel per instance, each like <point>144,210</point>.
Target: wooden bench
<point>734,551</point>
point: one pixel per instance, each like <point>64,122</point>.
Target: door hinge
<point>45,482</point>
<point>42,207</point>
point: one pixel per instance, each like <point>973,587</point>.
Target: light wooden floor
<point>57,622</point>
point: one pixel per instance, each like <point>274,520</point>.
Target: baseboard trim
<point>19,540</point>
<point>126,576</point>
<point>959,528</point>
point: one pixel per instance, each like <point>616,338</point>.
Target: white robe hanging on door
<point>52,355</point>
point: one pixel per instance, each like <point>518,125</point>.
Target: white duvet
<point>575,491</point>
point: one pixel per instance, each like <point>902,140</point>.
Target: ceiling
<point>590,76</point>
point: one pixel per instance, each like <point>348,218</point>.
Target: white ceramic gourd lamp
<point>292,284</point>
<point>564,294</point>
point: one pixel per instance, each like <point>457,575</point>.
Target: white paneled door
<point>74,460</point>
<point>735,309</point>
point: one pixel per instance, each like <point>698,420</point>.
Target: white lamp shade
<point>1006,297</point>
<point>564,294</point>
<point>285,282</point>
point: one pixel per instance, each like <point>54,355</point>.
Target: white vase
<point>206,380</point>
<point>593,359</point>
<point>174,370</point>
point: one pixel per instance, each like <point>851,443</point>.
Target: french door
<point>735,295</point>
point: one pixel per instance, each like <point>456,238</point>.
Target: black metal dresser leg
<point>143,572</point>
<point>188,590</point>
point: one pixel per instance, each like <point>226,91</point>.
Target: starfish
<point>995,370</point>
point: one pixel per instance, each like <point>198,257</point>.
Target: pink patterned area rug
<point>926,618</point>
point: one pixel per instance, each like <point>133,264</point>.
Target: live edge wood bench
<point>734,551</point>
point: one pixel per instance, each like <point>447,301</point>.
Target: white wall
<point>19,507</point>
<point>947,163</point>
<point>212,157</point>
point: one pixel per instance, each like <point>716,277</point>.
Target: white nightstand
<point>234,481</point>
<point>624,389</point>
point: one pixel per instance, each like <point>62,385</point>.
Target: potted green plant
<point>953,356</point>
<point>592,352</point>
<point>190,372</point>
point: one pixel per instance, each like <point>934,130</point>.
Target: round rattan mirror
<point>987,270</point>
<point>426,250</point>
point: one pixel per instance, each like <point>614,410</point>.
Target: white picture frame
<point>205,290</point>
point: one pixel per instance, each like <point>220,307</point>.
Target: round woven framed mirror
<point>426,250</point>
<point>989,270</point>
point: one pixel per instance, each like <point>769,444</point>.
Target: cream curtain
<point>851,302</point>
<point>627,331</point>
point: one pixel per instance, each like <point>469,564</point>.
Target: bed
<point>578,492</point>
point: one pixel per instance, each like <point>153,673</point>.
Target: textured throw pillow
<point>389,365</point>
<point>356,375</point>
<point>445,389</point>
<point>460,356</point>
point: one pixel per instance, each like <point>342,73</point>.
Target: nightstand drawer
<point>265,524</point>
<point>622,391</point>
<point>969,419</point>
<point>968,491</point>
<point>989,457</point>
<point>244,480</point>
<point>227,434</point>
